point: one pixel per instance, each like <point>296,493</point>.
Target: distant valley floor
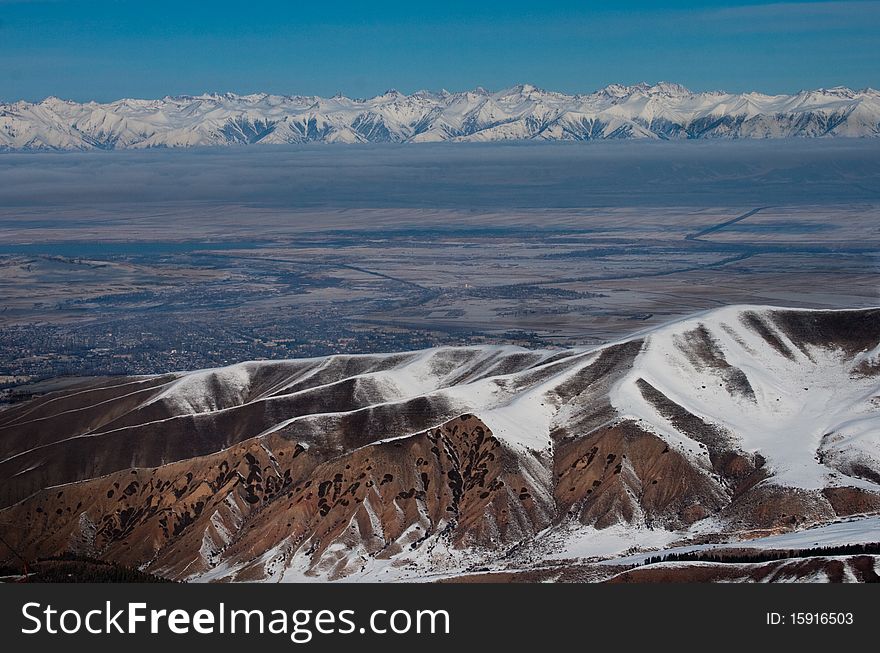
<point>127,291</point>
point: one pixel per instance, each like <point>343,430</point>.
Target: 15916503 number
<point>821,618</point>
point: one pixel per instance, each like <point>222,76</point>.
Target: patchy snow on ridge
<point>743,427</point>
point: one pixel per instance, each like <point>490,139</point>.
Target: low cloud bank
<point>490,176</point>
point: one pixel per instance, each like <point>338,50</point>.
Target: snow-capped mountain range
<point>523,112</point>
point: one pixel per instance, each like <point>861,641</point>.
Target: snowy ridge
<point>801,406</point>
<point>786,404</point>
<point>523,112</point>
<point>713,430</point>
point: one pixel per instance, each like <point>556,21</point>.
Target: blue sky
<point>106,49</point>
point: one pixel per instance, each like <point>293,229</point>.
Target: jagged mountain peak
<point>522,89</point>
<point>390,94</point>
<point>670,89</point>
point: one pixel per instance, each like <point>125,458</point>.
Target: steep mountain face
<point>728,425</point>
<point>664,111</point>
